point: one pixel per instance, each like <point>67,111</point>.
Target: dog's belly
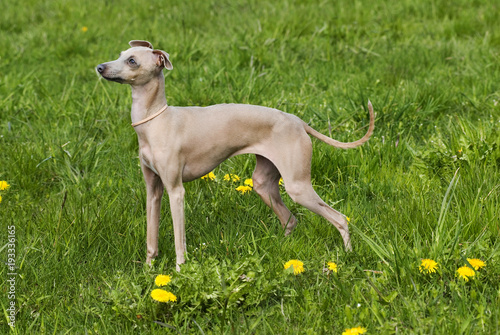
<point>198,166</point>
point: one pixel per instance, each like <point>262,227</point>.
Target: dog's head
<point>137,65</point>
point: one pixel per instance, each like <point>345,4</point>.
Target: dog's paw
<point>150,261</point>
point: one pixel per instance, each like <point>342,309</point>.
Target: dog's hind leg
<point>266,184</point>
<point>305,195</point>
<point>296,171</point>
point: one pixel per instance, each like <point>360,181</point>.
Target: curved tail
<point>345,145</point>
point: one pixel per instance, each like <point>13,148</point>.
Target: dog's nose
<point>101,68</point>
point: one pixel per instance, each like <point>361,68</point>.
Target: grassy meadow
<point>426,185</point>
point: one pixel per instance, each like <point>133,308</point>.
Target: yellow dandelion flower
<point>465,272</point>
<point>162,295</point>
<point>4,185</point>
<point>476,263</point>
<point>85,29</point>
<point>243,189</point>
<point>348,219</point>
<point>428,266</point>
<point>248,182</point>
<point>209,176</point>
<point>354,331</point>
<point>298,266</point>
<point>332,266</point>
<point>231,177</point>
<point>281,182</point>
<point>162,280</point>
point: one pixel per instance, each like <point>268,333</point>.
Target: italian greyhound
<point>180,144</point>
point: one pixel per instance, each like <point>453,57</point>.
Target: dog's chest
<point>147,160</point>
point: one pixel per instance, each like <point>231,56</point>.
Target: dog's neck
<point>148,99</point>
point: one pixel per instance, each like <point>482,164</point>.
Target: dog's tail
<point>345,145</point>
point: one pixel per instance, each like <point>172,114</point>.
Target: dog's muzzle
<point>101,69</point>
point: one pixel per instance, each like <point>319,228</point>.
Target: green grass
<point>425,186</point>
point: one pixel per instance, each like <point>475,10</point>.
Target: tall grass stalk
<point>442,235</point>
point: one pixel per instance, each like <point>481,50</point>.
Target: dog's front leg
<point>154,189</point>
<point>176,198</point>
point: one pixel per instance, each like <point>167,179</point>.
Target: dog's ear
<point>163,59</point>
<point>136,43</point>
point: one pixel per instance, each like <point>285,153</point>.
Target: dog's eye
<point>131,61</point>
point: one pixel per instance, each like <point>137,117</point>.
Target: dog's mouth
<point>115,79</point>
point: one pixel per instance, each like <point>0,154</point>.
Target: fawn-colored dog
<point>180,144</point>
